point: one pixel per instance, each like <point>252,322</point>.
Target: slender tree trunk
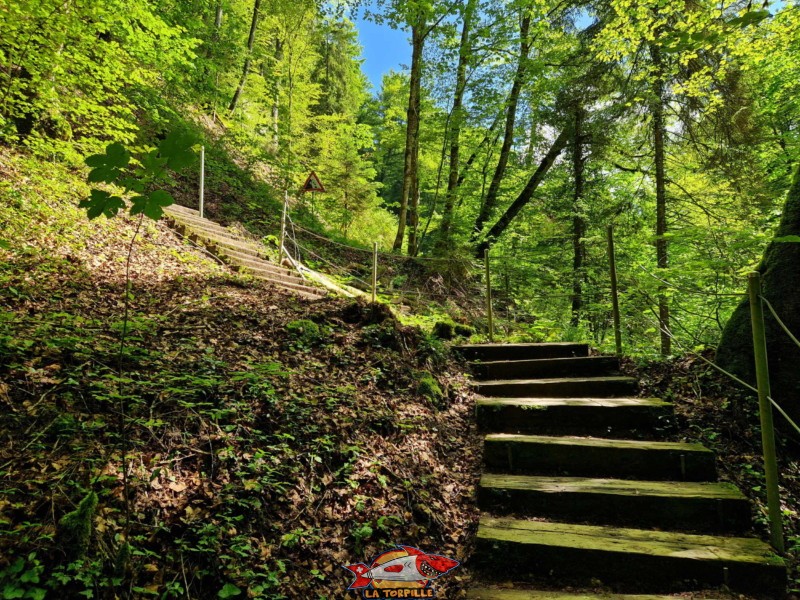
<point>455,129</point>
<point>508,137</point>
<point>246,69</point>
<point>526,194</point>
<point>410,175</point>
<point>218,17</point>
<point>276,100</point>
<point>657,111</point>
<point>531,141</point>
<point>578,219</point>
<point>413,219</point>
<point>486,139</point>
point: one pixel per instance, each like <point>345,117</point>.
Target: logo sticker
<point>404,572</point>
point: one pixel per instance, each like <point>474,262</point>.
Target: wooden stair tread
<point>628,541</point>
<point>534,403</point>
<point>623,487</point>
<point>593,442</point>
<point>242,253</point>
<point>488,593</point>
<point>521,345</point>
<point>565,360</point>
<point>548,380</point>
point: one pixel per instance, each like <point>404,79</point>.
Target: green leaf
<point>152,162</point>
<point>787,238</point>
<point>152,204</point>
<point>750,18</point>
<point>37,593</point>
<point>229,591</point>
<point>104,174</point>
<point>95,160</point>
<point>117,155</point>
<point>108,167</point>
<point>5,244</point>
<point>12,591</point>
<point>101,203</point>
<point>176,148</point>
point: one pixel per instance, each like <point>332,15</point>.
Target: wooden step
<point>266,269</point>
<point>564,387</point>
<point>192,221</point>
<point>650,561</point>
<point>495,352</point>
<point>226,242</point>
<point>598,457</point>
<point>300,287</point>
<point>214,230</point>
<point>679,505</point>
<point>183,209</point>
<point>581,366</point>
<point>243,259</point>
<point>489,593</point>
<point>602,417</point>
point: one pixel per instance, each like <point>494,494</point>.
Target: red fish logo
<point>402,567</point>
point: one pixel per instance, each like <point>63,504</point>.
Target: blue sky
<point>384,49</point>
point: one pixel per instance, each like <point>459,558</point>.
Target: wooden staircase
<point>578,489</point>
<point>238,252</point>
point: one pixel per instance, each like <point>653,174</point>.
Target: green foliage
<point>74,71</point>
<point>22,579</point>
<point>229,591</point>
<point>75,528</point>
<point>444,330</point>
<point>428,387</point>
<point>306,334</point>
<point>174,152</point>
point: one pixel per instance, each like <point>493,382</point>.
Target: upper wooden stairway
<point>238,252</point>
<point>579,490</point>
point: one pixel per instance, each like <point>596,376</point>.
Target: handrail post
<point>283,225</point>
<point>765,411</point>
<point>374,272</point>
<point>488,295</point>
<point>612,262</point>
<point>201,200</point>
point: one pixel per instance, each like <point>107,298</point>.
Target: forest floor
<point>272,440</point>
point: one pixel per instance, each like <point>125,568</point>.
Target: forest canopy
<point>524,127</point>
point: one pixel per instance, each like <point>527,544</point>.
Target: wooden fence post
<point>489,295</point>
<point>283,225</point>
<point>614,296</point>
<point>202,179</point>
<point>765,411</point>
<point>374,272</point>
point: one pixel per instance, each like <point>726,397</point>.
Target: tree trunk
<point>246,69</point>
<point>578,220</point>
<point>276,100</point>
<point>444,241</point>
<point>410,174</point>
<point>657,112</point>
<point>780,285</point>
<point>508,136</point>
<point>525,195</point>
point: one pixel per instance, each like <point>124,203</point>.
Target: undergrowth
<point>271,440</point>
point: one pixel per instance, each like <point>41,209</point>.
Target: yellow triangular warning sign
<point>313,184</point>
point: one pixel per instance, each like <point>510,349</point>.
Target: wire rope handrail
<point>780,321</point>
<point>724,372</point>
